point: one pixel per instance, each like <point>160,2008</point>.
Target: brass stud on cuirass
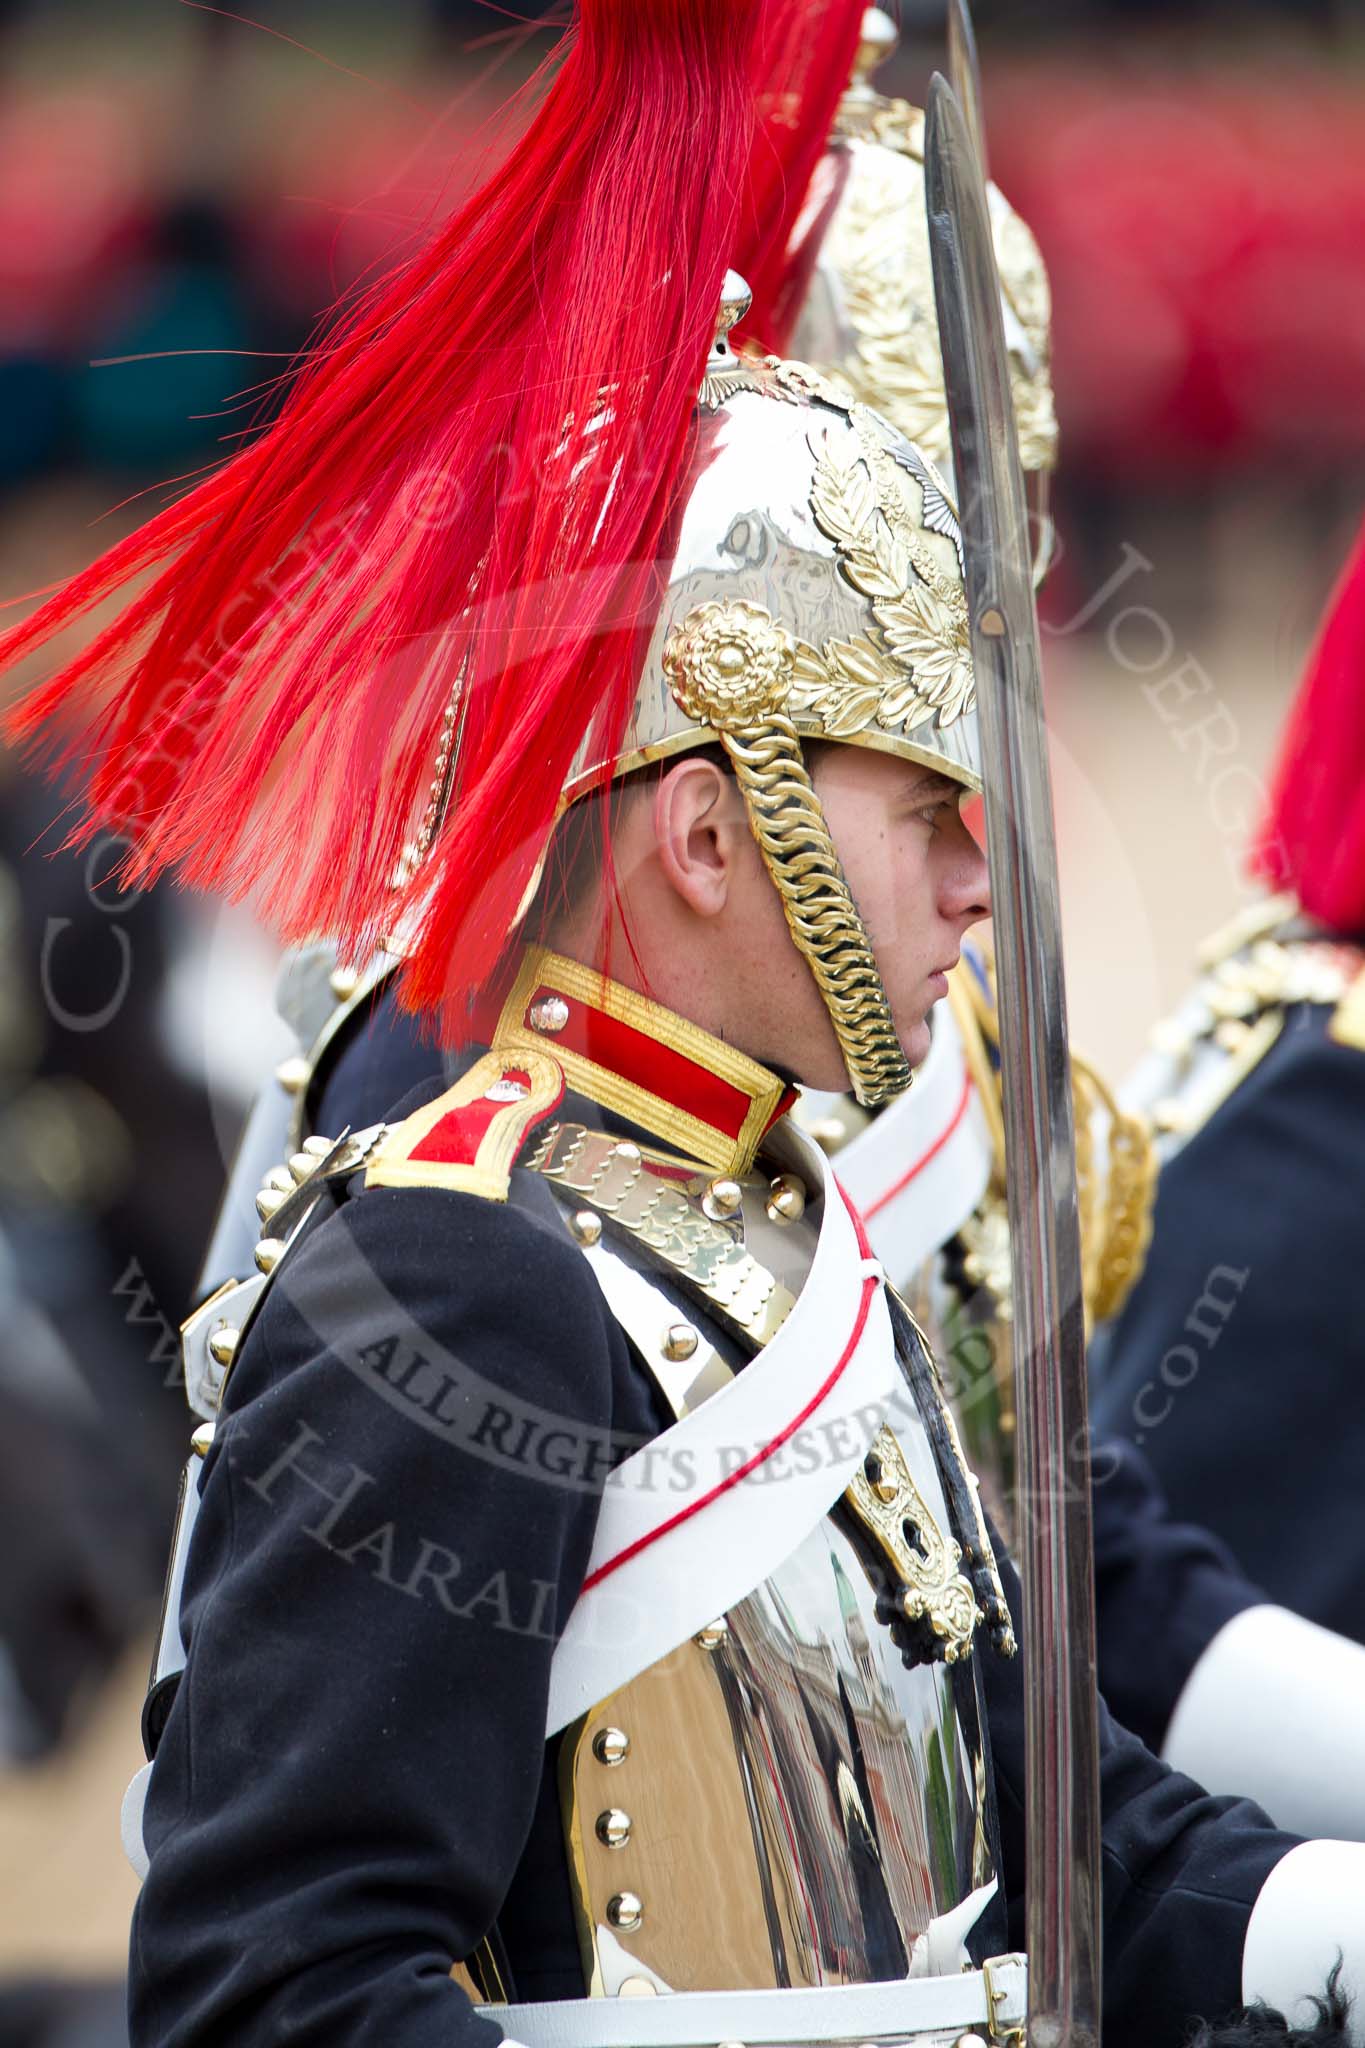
<point>586,1226</point>
<point>611,1746</point>
<point>625,1912</point>
<point>786,1199</point>
<point>613,1828</point>
<point>713,1635</point>
<point>680,1342</point>
<point>223,1344</point>
<point>722,1200</point>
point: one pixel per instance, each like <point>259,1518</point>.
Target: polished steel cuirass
<point>780,1802</point>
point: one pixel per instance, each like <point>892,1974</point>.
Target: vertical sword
<point>964,69</point>
<point>1056,1542</point>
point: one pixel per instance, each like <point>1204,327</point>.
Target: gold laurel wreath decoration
<point>924,669</point>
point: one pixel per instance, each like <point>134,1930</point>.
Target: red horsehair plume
<point>1313,838</point>
<point>444,495</point>
<point>804,60</point>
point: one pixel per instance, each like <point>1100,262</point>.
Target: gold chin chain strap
<point>822,917</point>
<point>730,666</point>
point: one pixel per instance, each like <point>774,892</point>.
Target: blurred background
<point>182,193</point>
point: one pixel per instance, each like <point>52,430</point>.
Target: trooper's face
<point>916,874</point>
<point>696,920</point>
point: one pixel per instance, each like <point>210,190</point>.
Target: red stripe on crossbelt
<point>940,1141</point>
<point>871,1283</point>
<point>611,1043</point>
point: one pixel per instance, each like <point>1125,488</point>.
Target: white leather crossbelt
<point>930,2012</point>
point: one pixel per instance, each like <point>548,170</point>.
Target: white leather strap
<point>1311,1909</point>
<point>130,1821</point>
<point>920,1168</point>
<point>922,2011</point>
<point>1300,1751</point>
<point>700,1516</point>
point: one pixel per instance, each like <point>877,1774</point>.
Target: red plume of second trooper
<point>804,61</point>
<point>1313,839</point>
<point>468,484</point>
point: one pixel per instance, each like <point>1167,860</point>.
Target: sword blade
<point>964,69</point>
<point>1056,1542</point>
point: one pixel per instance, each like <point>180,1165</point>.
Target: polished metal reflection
<point>829,1806</point>
<point>750,532</point>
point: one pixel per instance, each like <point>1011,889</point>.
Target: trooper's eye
<point>939,810</point>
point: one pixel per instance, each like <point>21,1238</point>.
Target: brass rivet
<point>638,1987</point>
<point>625,1912</point>
<point>292,1074</point>
<point>318,1146</point>
<point>993,623</point>
<point>301,1164</point>
<point>629,1151</point>
<point>611,1745</point>
<point>268,1201</point>
<point>281,1179</point>
<point>586,1226</point>
<point>223,1343</point>
<point>712,1635</point>
<point>722,1200</point>
<point>202,1439</point>
<point>269,1252</point>
<point>613,1828</point>
<point>550,1014</point>
<point>787,1199</point>
<point>343,981</point>
<point>681,1341</point>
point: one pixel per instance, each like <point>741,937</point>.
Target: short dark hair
<point>579,845</point>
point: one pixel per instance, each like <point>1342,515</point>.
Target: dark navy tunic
<point>353,1786</point>
<point>1237,1363</point>
<point>1164,1586</point>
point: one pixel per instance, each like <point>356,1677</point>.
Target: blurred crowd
<point>182,194</point>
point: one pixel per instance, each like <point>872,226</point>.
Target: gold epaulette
<point>468,1139</point>
<point>1262,964</point>
<point>1253,921</point>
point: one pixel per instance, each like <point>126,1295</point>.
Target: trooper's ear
<point>700,832</point>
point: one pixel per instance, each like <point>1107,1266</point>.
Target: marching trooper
<point>1236,1356</point>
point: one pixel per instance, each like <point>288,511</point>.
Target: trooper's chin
<point>914,1040</point>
